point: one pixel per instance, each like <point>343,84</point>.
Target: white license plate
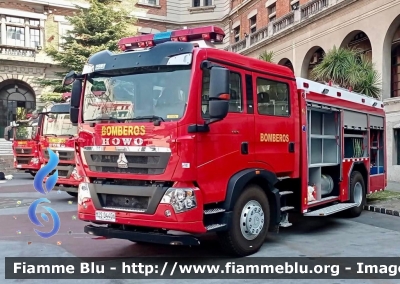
<point>19,166</point>
<point>105,216</point>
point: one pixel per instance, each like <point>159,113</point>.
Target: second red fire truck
<point>214,141</point>
<point>58,134</point>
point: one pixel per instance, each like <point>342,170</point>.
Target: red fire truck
<point>58,134</point>
<point>25,139</point>
<point>216,142</point>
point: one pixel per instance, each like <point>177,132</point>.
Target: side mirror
<point>76,94</point>
<point>69,78</point>
<point>219,93</point>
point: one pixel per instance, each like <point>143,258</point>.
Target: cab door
<point>275,123</point>
<point>228,146</point>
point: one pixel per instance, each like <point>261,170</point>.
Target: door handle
<point>291,147</point>
<point>244,148</point>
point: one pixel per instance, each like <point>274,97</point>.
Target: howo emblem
<point>122,161</point>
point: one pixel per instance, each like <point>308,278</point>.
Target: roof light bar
<point>208,33</point>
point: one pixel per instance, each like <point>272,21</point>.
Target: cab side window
<point>236,95</point>
<point>272,97</point>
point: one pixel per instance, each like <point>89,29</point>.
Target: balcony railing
<point>259,35</point>
<point>284,22</point>
<point>313,7</point>
<point>17,51</point>
<point>238,45</point>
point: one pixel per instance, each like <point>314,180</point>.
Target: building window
<point>196,3</point>
<point>34,37</point>
<point>253,24</point>
<point>207,2</point>
<point>272,13</point>
<point>272,97</point>
<point>15,20</point>
<point>22,32</point>
<point>15,36</point>
<point>148,2</point>
<point>236,33</point>
<point>64,29</point>
<point>396,146</point>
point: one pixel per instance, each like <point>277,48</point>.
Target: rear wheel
<point>250,222</point>
<point>357,194</point>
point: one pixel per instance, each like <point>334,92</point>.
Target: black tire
<point>355,179</point>
<point>33,173</point>
<point>74,194</point>
<point>233,241</point>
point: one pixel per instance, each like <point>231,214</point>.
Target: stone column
<point>27,39</point>
<point>3,30</point>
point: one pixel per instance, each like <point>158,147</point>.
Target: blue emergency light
<point>209,33</point>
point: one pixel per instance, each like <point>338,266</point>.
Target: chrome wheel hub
<point>358,193</point>
<point>251,220</point>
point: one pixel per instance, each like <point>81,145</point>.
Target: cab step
<point>214,226</point>
<point>286,208</point>
<point>285,192</point>
<point>331,209</point>
<point>285,221</point>
<point>214,211</point>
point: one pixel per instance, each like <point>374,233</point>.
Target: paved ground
<point>372,234</point>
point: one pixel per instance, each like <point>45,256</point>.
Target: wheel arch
<point>263,178</point>
<point>362,169</point>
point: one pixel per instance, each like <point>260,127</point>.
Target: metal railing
<point>17,51</point>
<point>313,7</point>
<point>259,35</point>
<point>283,22</point>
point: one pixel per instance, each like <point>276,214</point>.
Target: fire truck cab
<point>25,139</point>
<point>230,144</point>
<point>58,134</point>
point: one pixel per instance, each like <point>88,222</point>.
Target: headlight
<point>182,199</point>
<point>75,174</point>
<point>83,193</point>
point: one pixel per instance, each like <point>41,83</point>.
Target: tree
<point>267,56</point>
<point>350,69</point>
<point>96,28</point>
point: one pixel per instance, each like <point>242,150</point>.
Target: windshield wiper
<point>103,117</point>
<point>157,119</point>
<point>50,134</point>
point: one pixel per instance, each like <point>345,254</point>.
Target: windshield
<point>158,92</point>
<point>24,131</point>
<point>58,124</point>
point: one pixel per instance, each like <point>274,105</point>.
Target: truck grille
<point>23,160</point>
<point>128,202</point>
<point>62,155</point>
<point>23,151</point>
<point>142,163</point>
<point>64,170</point>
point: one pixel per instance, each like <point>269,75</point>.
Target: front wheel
<point>33,173</point>
<point>250,222</point>
<point>357,194</point>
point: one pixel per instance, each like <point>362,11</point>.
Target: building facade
<point>26,28</point>
<point>299,32</point>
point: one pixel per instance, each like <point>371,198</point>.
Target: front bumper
<point>158,214</point>
<point>148,237</point>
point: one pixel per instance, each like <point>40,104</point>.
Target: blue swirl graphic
<point>35,221</point>
<point>43,172</point>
